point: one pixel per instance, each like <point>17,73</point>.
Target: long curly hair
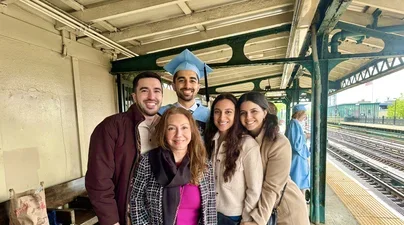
<point>233,137</point>
<point>196,149</point>
<point>270,123</point>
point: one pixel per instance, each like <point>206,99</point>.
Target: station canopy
<point>228,33</point>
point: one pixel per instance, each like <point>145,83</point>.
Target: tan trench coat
<point>276,160</point>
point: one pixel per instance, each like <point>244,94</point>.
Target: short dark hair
<point>176,75</point>
<point>147,74</point>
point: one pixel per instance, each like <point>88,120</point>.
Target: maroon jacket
<point>114,149</point>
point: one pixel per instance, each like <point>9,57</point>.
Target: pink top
<point>190,205</point>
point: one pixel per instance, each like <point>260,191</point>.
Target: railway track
<point>388,183</point>
<point>389,153</point>
<point>396,136</point>
<point>380,162</point>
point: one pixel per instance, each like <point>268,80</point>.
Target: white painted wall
<point>46,115</point>
<point>169,97</point>
<point>49,103</point>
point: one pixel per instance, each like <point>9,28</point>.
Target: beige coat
<point>276,159</point>
<point>240,195</point>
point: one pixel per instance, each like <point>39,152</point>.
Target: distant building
<point>355,110</point>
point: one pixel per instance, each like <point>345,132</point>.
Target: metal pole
<point>315,208</point>
<point>296,95</point>
<point>395,109</point>
<point>120,92</point>
<point>287,112</point>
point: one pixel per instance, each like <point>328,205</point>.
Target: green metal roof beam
<point>263,91</point>
<point>392,42</point>
<point>369,72</point>
<point>148,62</point>
<point>329,12</point>
<point>212,89</point>
<point>302,53</point>
<point>334,85</point>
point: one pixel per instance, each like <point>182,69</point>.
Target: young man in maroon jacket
<point>115,147</point>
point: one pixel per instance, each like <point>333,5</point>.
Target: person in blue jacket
<point>187,70</point>
<point>299,171</point>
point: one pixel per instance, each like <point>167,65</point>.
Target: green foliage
<point>280,106</point>
<point>397,107</point>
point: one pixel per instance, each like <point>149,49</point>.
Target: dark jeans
<point>225,220</point>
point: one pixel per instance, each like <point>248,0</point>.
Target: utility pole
<point>395,109</point>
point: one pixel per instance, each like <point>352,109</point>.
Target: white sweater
<point>240,195</point>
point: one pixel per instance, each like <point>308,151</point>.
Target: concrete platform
<point>336,212</point>
<point>348,202</point>
<point>377,126</point>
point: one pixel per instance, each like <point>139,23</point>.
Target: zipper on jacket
<point>133,167</point>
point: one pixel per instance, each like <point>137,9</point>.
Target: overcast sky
<point>389,86</point>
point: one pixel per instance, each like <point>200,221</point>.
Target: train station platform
<point>386,127</point>
<point>348,202</point>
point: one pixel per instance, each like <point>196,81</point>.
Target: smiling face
<point>186,85</point>
<point>178,133</point>
<point>148,96</point>
<point>252,117</point>
<point>223,115</point>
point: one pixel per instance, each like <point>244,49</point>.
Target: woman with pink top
<point>174,183</point>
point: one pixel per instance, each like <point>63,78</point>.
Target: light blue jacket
<point>299,171</point>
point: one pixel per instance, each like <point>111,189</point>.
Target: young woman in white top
<point>236,158</point>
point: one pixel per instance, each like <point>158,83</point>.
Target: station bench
<point>70,202</point>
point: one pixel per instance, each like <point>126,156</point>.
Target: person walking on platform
<point>115,147</point>
<point>174,182</point>
<point>300,171</point>
<point>279,192</point>
<point>235,156</point>
<point>187,70</point>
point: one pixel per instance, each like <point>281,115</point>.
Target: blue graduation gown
<point>299,171</point>
<point>200,115</point>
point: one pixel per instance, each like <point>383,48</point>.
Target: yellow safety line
<point>365,208</point>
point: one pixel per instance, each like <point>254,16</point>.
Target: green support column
<point>120,89</point>
<point>287,120</point>
<point>287,102</point>
<point>318,159</point>
<point>320,72</point>
<point>296,93</point>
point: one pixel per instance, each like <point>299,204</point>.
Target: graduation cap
<point>186,60</point>
<point>299,107</point>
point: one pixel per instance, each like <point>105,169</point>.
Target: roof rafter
<point>396,6</point>
<point>74,4</point>
<point>257,77</point>
<point>303,15</point>
<point>202,17</point>
<point>364,19</point>
<point>120,8</point>
<point>241,28</point>
<point>251,72</point>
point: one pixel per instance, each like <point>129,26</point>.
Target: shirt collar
<point>260,136</point>
<point>216,136</point>
<point>193,107</point>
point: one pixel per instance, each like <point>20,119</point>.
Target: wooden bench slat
<point>61,194</point>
